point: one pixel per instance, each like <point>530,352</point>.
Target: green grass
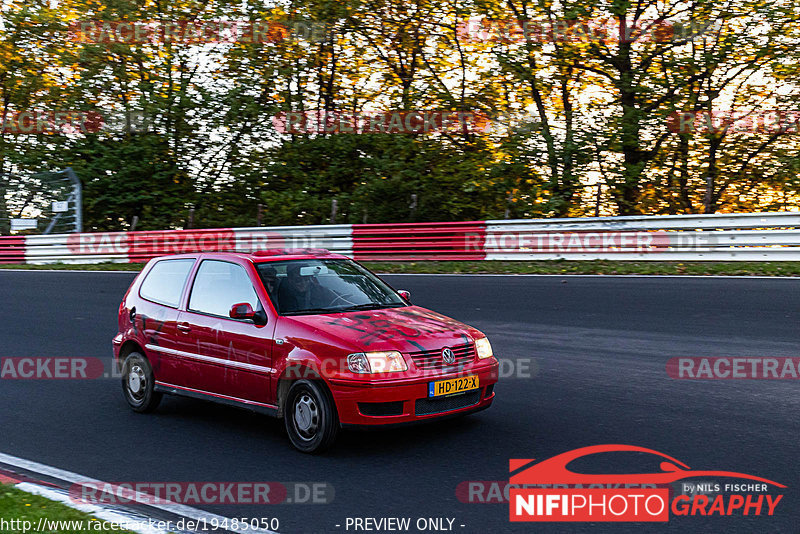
<point>561,267</point>
<point>18,505</point>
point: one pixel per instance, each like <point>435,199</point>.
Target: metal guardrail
<point>729,237</point>
<point>659,222</point>
<point>133,247</point>
<point>717,237</point>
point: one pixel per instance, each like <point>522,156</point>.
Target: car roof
<point>263,256</point>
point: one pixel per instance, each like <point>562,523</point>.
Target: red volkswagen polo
<point>305,335</point>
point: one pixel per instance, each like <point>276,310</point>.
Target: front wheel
<point>310,417</point>
<point>138,384</point>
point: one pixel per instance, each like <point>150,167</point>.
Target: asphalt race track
<point>598,346</point>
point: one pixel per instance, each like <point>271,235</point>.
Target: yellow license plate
<point>452,385</point>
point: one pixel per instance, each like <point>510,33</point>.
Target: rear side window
<point>165,281</point>
<point>218,286</point>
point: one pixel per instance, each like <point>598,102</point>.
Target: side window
<point>165,281</point>
<point>218,286</point>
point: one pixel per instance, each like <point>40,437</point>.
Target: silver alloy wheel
<point>137,382</point>
<point>306,416</point>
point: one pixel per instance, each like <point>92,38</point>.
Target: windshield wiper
<point>371,306</point>
<point>312,311</point>
<point>357,307</point>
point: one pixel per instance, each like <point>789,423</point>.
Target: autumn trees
<point>608,107</point>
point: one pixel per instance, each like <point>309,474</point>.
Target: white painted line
<point>129,521</point>
<point>567,275</point>
<point>42,469</point>
<point>173,508</point>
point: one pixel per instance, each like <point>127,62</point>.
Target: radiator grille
<point>445,404</point>
<point>429,360</point>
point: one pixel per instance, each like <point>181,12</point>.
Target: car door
<point>155,316</point>
<point>229,358</point>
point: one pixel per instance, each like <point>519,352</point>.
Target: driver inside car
<point>270,278</point>
<point>302,292</point>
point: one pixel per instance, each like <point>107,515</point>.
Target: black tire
<point>138,384</point>
<point>310,417</point>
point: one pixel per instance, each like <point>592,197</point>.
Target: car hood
<point>408,329</point>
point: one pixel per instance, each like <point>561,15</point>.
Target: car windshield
<point>302,287</point>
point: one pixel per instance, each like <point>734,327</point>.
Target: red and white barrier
<point>751,236</point>
<point>12,250</point>
<point>419,241</point>
<point>134,247</point>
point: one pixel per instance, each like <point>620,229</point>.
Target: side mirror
<point>245,311</point>
<point>242,311</point>
<point>405,294</point>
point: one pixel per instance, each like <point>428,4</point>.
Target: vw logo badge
<point>448,356</point>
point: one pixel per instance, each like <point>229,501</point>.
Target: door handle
<point>184,327</point>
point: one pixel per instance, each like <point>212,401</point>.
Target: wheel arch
<point>293,373</point>
<point>126,349</point>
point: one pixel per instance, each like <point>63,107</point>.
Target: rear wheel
<point>310,417</point>
<point>138,384</point>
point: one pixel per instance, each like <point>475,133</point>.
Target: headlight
<point>358,363</point>
<point>376,362</point>
<point>484,348</point>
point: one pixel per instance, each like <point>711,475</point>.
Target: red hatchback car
<point>306,335</point>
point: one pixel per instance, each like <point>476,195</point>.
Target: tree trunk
<point>5,223</point>
<point>709,204</point>
<point>634,158</point>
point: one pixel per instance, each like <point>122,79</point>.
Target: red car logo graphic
<point>554,470</point>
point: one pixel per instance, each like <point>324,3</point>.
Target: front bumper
<point>406,400</point>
